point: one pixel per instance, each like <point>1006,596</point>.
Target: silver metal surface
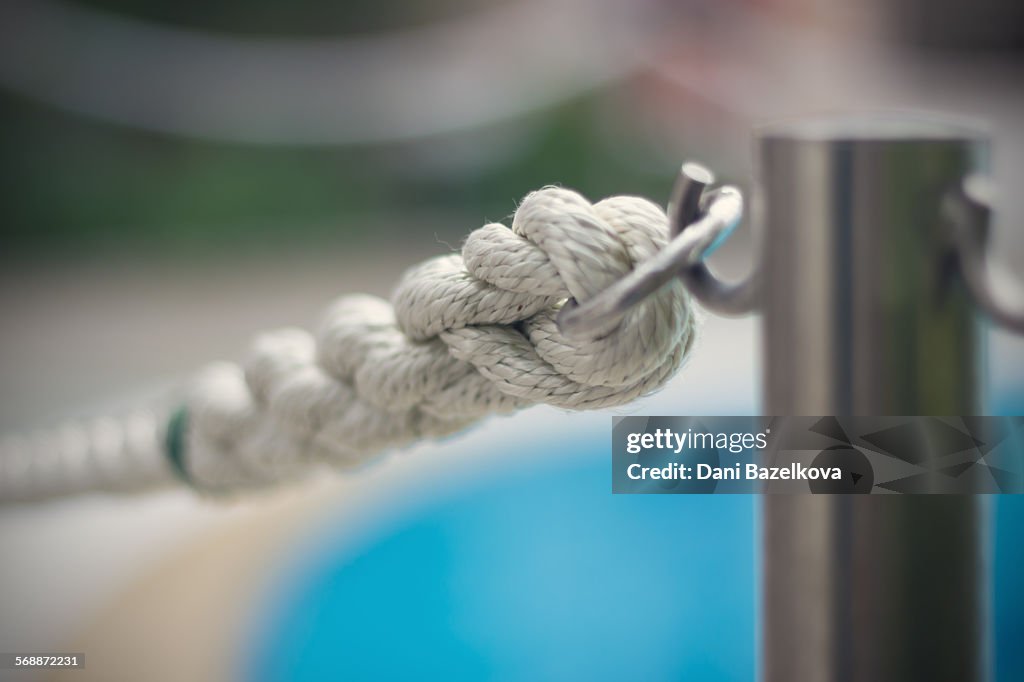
<point>599,315</point>
<point>865,313</point>
<point>684,203</point>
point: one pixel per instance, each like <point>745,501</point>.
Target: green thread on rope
<point>175,443</point>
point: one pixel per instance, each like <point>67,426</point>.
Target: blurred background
<point>178,176</point>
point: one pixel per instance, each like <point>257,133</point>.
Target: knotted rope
<point>464,336</point>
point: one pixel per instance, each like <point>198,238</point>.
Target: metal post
<point>865,314</point>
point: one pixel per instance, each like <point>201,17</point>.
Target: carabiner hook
<point>709,219</point>
<point>688,198</point>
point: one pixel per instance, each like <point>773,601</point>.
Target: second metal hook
<point>969,208</point>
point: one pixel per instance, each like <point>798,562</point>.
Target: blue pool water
<point>536,574</point>
<point>541,573</point>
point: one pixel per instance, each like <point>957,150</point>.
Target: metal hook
<point>969,208</point>
<point>688,197</point>
<point>711,219</point>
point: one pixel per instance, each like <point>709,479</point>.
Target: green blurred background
<point>695,77</point>
<point>81,188</point>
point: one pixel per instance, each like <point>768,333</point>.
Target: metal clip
<point>969,208</point>
<point>699,222</point>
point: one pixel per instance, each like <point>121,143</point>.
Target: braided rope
<point>463,337</point>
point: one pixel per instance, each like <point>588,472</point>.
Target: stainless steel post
<point>865,314</point>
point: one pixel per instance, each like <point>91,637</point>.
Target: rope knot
<point>463,337</point>
<point>504,292</point>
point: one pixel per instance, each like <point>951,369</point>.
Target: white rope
<point>463,337</point>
